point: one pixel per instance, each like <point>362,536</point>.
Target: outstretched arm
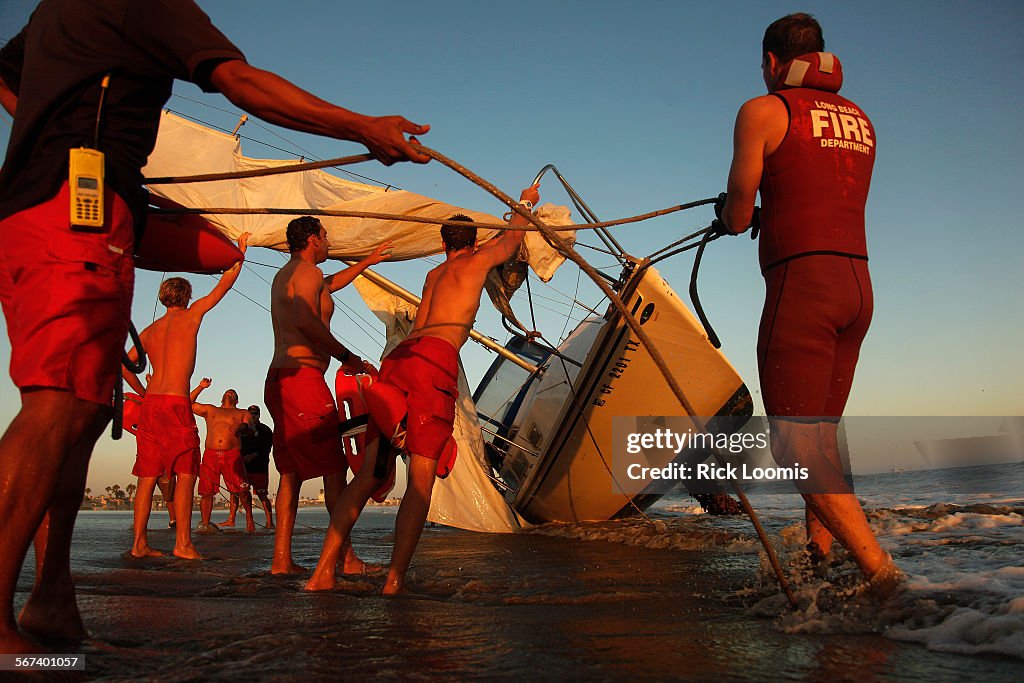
<point>345,277</point>
<point>199,408</point>
<point>278,101</point>
<point>205,304</point>
<point>501,248</point>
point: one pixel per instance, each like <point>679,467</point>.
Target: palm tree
<point>130,489</point>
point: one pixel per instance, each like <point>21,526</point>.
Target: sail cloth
<point>466,498</point>
<point>185,148</point>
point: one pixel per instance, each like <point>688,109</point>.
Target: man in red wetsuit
<point>67,293</point>
<point>810,152</point>
<point>422,374</point>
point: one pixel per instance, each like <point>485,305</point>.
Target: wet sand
<point>528,605</point>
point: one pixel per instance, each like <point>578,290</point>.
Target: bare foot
<point>207,528</point>
<point>887,581</point>
<point>13,643</point>
<point>187,552</point>
<point>53,615</point>
<point>145,551</point>
<point>250,527</point>
<point>270,526</point>
<point>358,566</point>
<point>287,569</point>
<point>171,524</point>
<point>394,587</point>
<point>321,581</point>
<point>230,521</point>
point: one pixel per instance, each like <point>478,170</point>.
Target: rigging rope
<point>634,325</point>
<point>550,233</point>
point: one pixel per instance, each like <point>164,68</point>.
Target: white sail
<point>184,148</point>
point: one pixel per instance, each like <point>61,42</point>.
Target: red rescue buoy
<point>184,243</point>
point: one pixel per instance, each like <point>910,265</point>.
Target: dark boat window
<point>500,394</point>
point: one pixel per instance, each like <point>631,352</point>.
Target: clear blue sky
<point>635,103</point>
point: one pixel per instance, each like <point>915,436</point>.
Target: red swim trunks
<point>817,310</point>
<point>67,297</point>
<point>260,482</point>
<point>217,464</point>
<point>426,370</point>
<point>306,438</point>
<point>167,437</point>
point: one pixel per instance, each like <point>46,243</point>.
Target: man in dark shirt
<point>256,445</point>
<point>96,74</point>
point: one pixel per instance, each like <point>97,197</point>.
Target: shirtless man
<point>168,440</point>
<point>425,368</point>
<point>306,439</point>
<point>223,455</point>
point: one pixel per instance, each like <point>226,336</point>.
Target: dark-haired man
<point>168,440</point>
<point>425,368</point>
<point>306,439</point>
<point>811,153</point>
<point>96,74</point>
<point>222,456</point>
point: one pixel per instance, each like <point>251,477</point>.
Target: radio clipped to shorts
<point>86,183</point>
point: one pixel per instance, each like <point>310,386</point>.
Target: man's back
<point>171,345</point>
<point>451,298</point>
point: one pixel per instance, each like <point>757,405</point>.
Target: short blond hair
<point>175,292</point>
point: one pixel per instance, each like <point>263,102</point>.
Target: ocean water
<point>676,595</point>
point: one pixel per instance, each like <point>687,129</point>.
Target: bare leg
<point>205,511</point>
<point>166,489</point>
<point>232,510</point>
<point>44,452</point>
<point>344,514</point>
<point>287,505</point>
<point>817,533</point>
<point>266,508</point>
<point>334,485</point>
<point>409,524</point>
<point>840,513</point>
<point>183,492</point>
<point>250,524</point>
<point>143,505</point>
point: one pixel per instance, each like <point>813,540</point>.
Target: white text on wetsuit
<point>841,127</point>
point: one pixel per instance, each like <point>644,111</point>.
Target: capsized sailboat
<point>540,448</point>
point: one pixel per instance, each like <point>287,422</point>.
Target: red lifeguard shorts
<point>260,482</point>
<point>217,464</point>
<point>817,310</point>
<point>167,437</point>
<point>67,297</point>
<point>306,437</point>
<point>426,370</point>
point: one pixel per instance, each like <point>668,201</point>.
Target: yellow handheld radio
<point>86,183</point>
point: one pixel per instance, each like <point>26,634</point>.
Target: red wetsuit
<point>813,250</point>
